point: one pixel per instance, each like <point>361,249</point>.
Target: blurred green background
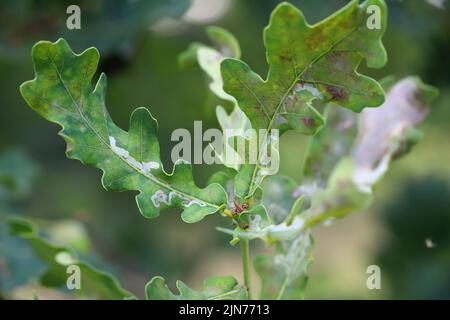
<point>139,47</point>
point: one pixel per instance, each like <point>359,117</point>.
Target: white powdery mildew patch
<point>161,197</point>
<point>144,167</point>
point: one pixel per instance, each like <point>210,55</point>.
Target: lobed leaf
<point>57,258</point>
<point>62,93</point>
<point>308,63</point>
<point>214,288</point>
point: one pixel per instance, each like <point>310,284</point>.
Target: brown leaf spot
<point>337,93</point>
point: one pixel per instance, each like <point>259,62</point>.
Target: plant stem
<point>245,266</point>
<point>282,289</point>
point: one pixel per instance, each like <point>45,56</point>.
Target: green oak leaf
<point>323,56</point>
<point>57,258</point>
<point>283,276</point>
<point>308,63</point>
<point>214,288</point>
<point>62,93</point>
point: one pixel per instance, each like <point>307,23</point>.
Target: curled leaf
<point>389,131</point>
<point>384,133</point>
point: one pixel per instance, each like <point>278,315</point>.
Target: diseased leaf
<point>390,132</point>
<point>214,288</point>
<point>94,283</point>
<point>307,64</point>
<point>323,56</point>
<point>283,276</point>
<point>62,93</point>
<point>384,134</point>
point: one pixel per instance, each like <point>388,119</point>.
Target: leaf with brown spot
<point>322,58</point>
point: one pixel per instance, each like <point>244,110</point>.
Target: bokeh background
<point>139,42</point>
